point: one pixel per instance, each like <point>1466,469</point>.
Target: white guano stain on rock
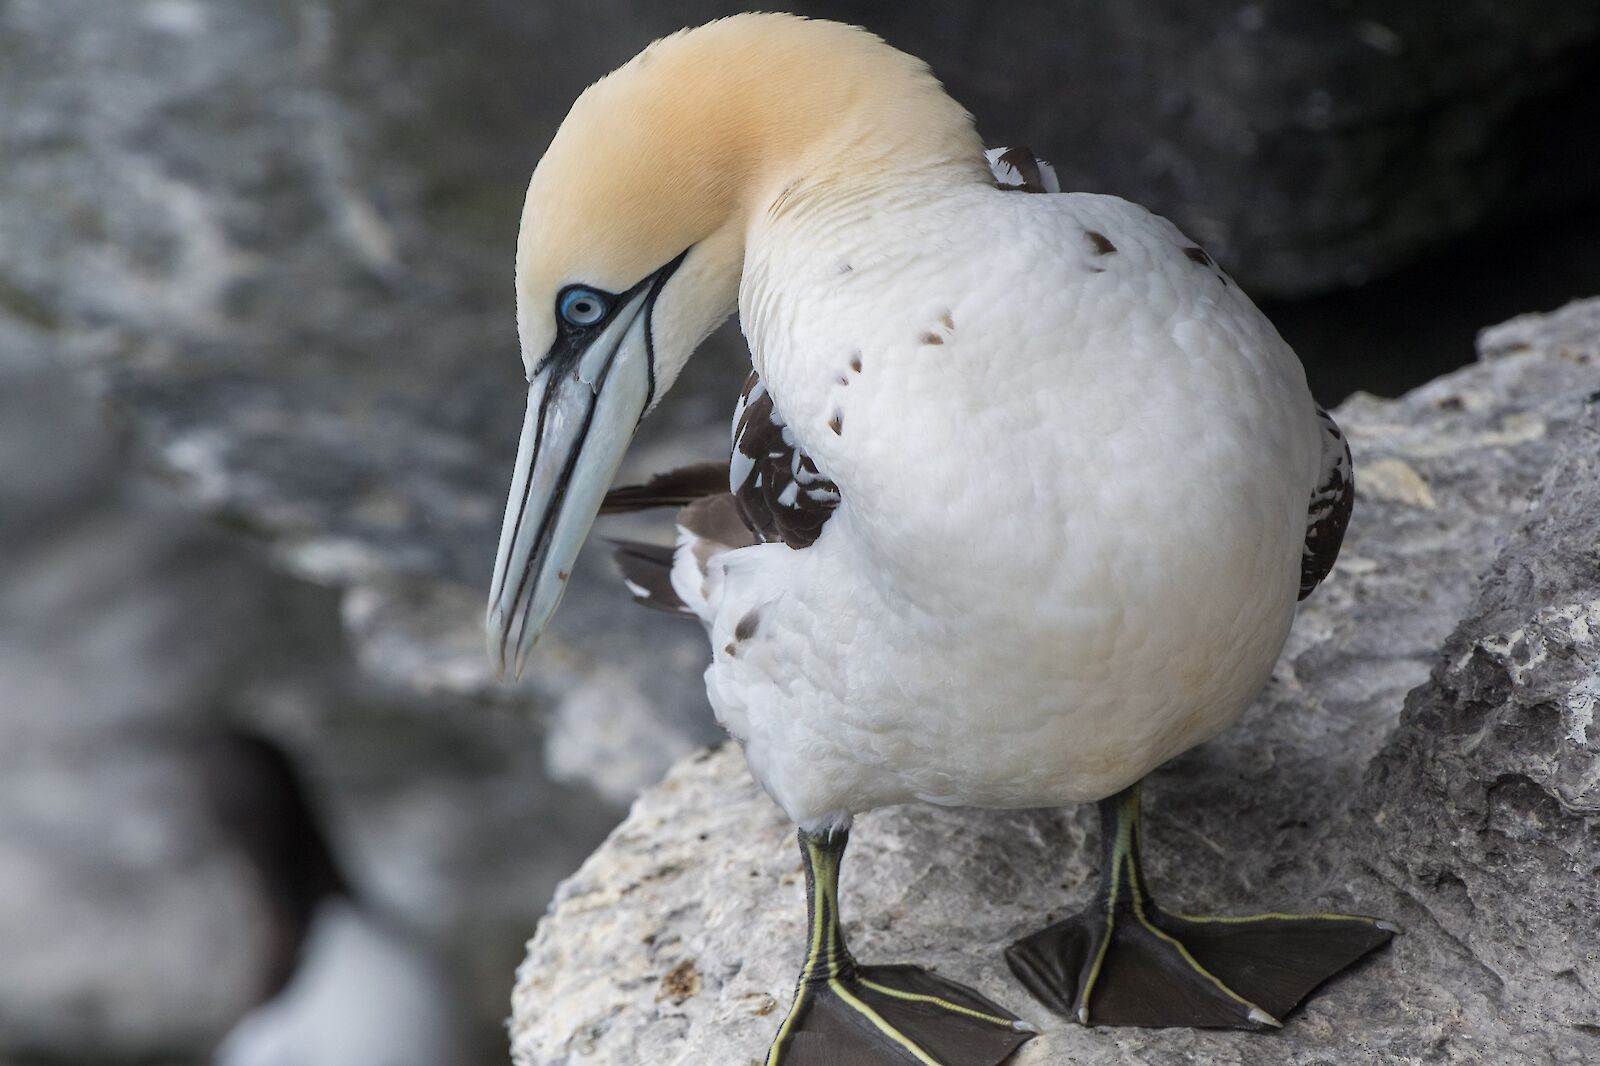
<point>1580,708</point>
<point>1397,481</point>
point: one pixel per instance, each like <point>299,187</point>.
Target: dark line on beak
<point>548,523</point>
<point>522,511</point>
<point>552,511</point>
<point>527,487</point>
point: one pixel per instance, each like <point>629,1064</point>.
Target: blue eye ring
<point>583,307</point>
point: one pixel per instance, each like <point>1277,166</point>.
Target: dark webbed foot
<point>845,1013</point>
<point>894,1014</point>
<point>1124,961</point>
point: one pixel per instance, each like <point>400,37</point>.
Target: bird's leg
<point>1124,961</point>
<point>848,1013</point>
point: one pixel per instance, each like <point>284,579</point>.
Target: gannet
<point>1022,494</point>
<point>346,984</point>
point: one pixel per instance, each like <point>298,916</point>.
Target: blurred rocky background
<point>259,392</point>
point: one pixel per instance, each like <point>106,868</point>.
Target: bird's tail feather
<point>647,570</point>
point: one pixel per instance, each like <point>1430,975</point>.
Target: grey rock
<point>277,237</point>
<point>1465,811</point>
<point>274,237</point>
<point>1485,803</point>
<point>133,924</point>
<point>1308,146</point>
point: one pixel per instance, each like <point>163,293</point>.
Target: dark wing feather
<point>778,495</point>
<point>675,488</point>
<point>781,494</point>
<point>1331,504</point>
<point>647,569</point>
<point>1018,168</point>
<point>708,526</point>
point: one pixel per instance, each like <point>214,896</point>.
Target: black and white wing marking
<point>1331,504</point>
<point>777,495</point>
<point>1018,168</point>
<point>781,494</point>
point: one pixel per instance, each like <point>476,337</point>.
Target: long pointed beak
<point>581,415</point>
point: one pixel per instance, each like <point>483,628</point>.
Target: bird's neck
<point>815,167</point>
<point>868,149</point>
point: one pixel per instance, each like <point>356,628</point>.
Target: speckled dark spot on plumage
<point>563,575</point>
<point>747,626</point>
<point>855,362</point>
<point>932,338</point>
<point>1102,246</point>
<point>836,423</point>
<point>1095,270</point>
<point>1198,255</point>
<point>731,649</point>
<point>843,380</point>
<point>845,268</point>
<point>948,322</point>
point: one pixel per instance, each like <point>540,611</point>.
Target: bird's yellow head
<point>633,239</point>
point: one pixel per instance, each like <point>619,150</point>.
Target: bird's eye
<point>582,307</point>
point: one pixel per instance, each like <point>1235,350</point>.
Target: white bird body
<point>1022,495</point>
<point>363,995</point>
<point>1074,497</point>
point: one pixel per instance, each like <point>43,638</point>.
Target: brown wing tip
<point>647,571</point>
